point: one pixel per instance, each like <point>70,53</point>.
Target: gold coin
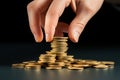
<point>57,64</point>
<point>18,65</point>
<point>52,53</point>
<point>108,62</point>
<point>51,65</point>
<point>47,58</point>
<point>31,63</point>
<point>70,56</point>
<point>75,68</point>
<point>60,38</point>
<point>26,62</point>
<point>57,50</point>
<point>80,65</point>
<point>93,63</point>
<point>61,47</point>
<point>68,63</point>
<point>58,45</point>
<point>61,55</point>
<point>101,66</point>
<point>45,61</point>
<point>40,62</point>
<point>35,67</point>
<point>90,61</point>
<point>47,55</point>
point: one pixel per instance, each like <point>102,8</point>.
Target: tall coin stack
<point>59,50</point>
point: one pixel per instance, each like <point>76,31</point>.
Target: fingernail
<point>36,37</point>
<point>76,36</point>
<point>47,37</point>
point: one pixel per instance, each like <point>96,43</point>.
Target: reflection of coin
<point>108,62</point>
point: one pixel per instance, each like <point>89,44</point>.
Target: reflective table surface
<point>8,73</point>
<point>112,54</point>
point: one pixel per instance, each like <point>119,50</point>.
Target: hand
<point>45,14</point>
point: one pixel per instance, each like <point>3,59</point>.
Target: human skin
<point>45,14</point>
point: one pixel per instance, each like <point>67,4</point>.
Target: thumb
<point>79,22</point>
<point>85,10</point>
<point>75,29</point>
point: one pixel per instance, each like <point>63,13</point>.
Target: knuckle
<point>80,25</point>
<point>52,13</point>
<point>90,9</point>
<point>32,6</point>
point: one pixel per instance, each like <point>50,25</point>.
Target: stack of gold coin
<point>59,45</point>
<point>47,58</point>
<point>59,48</point>
<point>27,65</point>
<point>57,58</point>
<point>32,65</point>
<point>76,64</point>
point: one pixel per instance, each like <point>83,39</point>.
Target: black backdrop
<point>102,29</point>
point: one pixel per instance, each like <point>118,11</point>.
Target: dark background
<point>17,42</point>
<point>102,28</point>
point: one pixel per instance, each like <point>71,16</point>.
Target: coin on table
<point>80,65</point>
<point>75,68</point>
<point>26,62</point>
<point>57,64</point>
<point>108,62</point>
<point>35,67</point>
<point>101,66</point>
<point>18,65</point>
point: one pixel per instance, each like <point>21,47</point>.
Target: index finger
<point>54,12</point>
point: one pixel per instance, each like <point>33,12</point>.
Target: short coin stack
<point>57,58</point>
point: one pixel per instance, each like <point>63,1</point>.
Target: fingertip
<point>38,34</point>
<point>75,31</point>
<point>48,37</point>
<point>49,33</point>
<point>74,36</point>
<point>49,30</point>
<point>38,38</point>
